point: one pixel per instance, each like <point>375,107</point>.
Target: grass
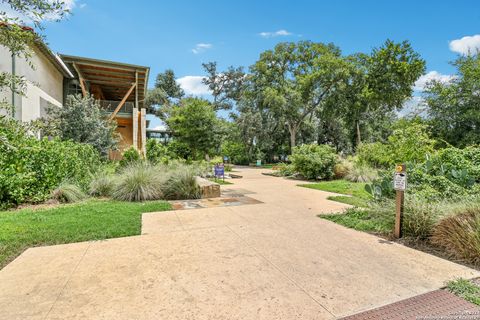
<point>220,181</point>
<point>465,289</point>
<point>362,220</point>
<point>355,191</point>
<point>83,221</point>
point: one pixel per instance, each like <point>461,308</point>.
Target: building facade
<point>120,89</point>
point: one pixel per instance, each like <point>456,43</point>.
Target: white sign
<point>400,181</point>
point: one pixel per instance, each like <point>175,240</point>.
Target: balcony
<point>109,106</point>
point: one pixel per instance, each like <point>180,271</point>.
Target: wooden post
<point>143,132</point>
<point>135,128</point>
<point>400,183</point>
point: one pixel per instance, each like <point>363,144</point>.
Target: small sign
<point>219,170</point>
<point>400,181</point>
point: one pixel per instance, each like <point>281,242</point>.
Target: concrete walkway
<point>273,260</point>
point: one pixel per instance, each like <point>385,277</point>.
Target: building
<point>119,87</point>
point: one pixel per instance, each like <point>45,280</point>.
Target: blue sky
<point>182,34</point>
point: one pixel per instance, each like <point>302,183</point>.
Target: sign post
<point>399,184</point>
<point>220,170</point>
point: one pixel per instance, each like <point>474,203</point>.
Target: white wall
<point>43,82</point>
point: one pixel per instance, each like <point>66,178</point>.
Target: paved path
<point>274,260</point>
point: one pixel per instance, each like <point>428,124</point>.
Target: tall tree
<point>166,91</point>
<point>226,87</point>
<point>18,38</point>
<point>454,107</point>
<point>294,79</point>
<point>194,123</point>
<point>379,83</point>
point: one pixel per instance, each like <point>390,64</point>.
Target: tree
<point>226,87</point>
<point>17,38</point>
<point>81,119</point>
<point>294,79</point>
<point>378,84</point>
<point>165,92</point>
<point>194,123</point>
<point>454,107</point>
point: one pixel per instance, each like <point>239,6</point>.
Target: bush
<point>139,181</point>
<point>102,186</point>
<point>68,193</point>
<point>361,173</point>
<point>182,184</point>
<point>30,169</point>
<point>157,152</point>
<point>285,169</point>
<point>459,235</point>
<point>236,152</point>
<point>419,217</point>
<point>130,156</point>
<point>314,161</point>
<point>342,169</point>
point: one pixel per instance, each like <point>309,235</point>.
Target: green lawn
<point>361,220</point>
<point>220,181</point>
<point>465,289</point>
<point>89,220</point>
<point>355,191</point>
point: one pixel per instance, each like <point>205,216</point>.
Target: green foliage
<point>68,193</point>
<point>465,289</point>
<point>82,120</point>
<point>130,156</point>
<point>30,168</point>
<point>182,184</point>
<point>236,152</point>
<point>194,124</point>
<point>285,169</point>
<point>342,169</point>
<point>361,173</point>
<point>375,221</point>
<point>314,161</point>
<point>459,235</point>
<point>357,196</point>
<point>102,185</point>
<point>409,142</point>
<point>381,188</point>
<point>157,152</point>
<point>454,107</point>
<point>139,181</point>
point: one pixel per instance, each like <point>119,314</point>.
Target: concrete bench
<point>209,189</point>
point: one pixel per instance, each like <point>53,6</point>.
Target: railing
<point>110,106</point>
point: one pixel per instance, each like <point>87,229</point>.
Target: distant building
<point>119,87</point>
<point>161,134</point>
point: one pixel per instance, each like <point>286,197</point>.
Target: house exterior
<point>120,89</point>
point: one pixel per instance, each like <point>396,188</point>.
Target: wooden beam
<point>81,79</point>
<point>136,89</point>
<point>120,105</point>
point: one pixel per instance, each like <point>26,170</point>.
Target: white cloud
<point>278,33</point>
<point>466,45</point>
<point>193,85</point>
<point>415,106</point>
<point>422,82</point>
<point>201,47</point>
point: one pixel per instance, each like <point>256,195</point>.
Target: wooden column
<point>135,128</point>
<point>143,132</point>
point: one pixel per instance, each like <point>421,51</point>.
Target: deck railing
<point>110,106</point>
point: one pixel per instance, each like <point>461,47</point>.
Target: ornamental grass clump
<point>182,184</point>
<point>68,193</point>
<point>139,181</point>
<point>459,235</point>
<point>103,185</point>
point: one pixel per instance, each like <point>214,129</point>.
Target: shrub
<point>69,193</point>
<point>459,235</point>
<point>375,155</point>
<point>361,173</point>
<point>314,161</point>
<point>182,184</point>
<point>342,169</point>
<point>285,169</point>
<point>420,217</point>
<point>102,186</point>
<point>157,152</point>
<point>236,151</point>
<point>139,181</point>
<point>30,169</point>
<point>130,156</point>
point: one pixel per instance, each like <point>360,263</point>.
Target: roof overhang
<point>114,78</point>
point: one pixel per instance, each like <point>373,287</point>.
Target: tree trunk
<point>293,136</point>
<point>359,137</point>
